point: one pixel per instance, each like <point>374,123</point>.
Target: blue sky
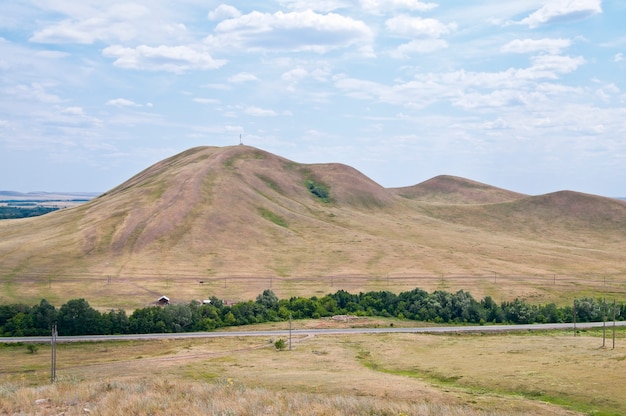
<point>525,95</point>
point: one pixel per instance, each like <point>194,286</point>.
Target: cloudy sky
<point>525,95</point>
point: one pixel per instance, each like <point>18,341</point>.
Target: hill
<point>213,215</point>
<point>455,190</point>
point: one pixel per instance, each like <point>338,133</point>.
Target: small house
<point>163,300</point>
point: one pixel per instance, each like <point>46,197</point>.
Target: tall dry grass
<point>224,397</point>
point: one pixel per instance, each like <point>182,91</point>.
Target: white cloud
<point>52,54</point>
<point>177,59</point>
<point>464,89</point>
<point>112,21</point>
<point>381,6</point>
<point>293,31</point>
<point>259,112</point>
<point>424,34</point>
<point>224,11</point>
<point>376,7</point>
<point>497,124</point>
<point>409,26</point>
<point>318,6</point>
<point>35,91</point>
<point>418,46</point>
<point>206,100</point>
<point>555,64</point>
<point>619,57</point>
<point>115,23</point>
<point>122,102</point>
<point>552,46</point>
<point>294,75</point>
<point>242,77</point>
<point>563,11</point>
<point>76,111</point>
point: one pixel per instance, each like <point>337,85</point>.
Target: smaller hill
<point>567,214</point>
<point>446,189</point>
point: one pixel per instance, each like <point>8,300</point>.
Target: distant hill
<point>47,196</point>
<point>455,190</point>
<point>215,212</point>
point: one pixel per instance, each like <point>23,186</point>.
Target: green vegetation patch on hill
<point>271,216</point>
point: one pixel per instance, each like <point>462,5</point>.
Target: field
<point>522,373</point>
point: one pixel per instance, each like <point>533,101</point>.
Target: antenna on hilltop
<point>240,142</point>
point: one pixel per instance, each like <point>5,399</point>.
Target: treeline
<point>19,212</point>
<point>76,317</point>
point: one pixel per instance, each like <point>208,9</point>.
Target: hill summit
<point>213,212</point>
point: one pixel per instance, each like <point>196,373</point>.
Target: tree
<point>76,317</point>
<point>44,317</point>
<point>118,322</point>
<point>177,317</point>
<point>268,299</point>
<point>588,310</point>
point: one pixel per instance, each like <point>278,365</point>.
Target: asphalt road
<point>310,332</point>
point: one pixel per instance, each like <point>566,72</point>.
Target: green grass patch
<point>273,217</point>
<point>598,407</point>
<point>270,183</point>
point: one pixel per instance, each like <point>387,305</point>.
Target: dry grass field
<point>414,374</point>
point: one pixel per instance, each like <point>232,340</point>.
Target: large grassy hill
<point>233,221</point>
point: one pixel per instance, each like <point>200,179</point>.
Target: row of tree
<point>7,212</point>
<point>77,317</point>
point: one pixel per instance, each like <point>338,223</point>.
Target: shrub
<point>318,189</point>
<point>280,344</point>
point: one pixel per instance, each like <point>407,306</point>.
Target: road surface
<point>311,332</point>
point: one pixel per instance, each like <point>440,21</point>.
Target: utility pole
<point>574,310</point>
<point>53,372</point>
<point>613,323</point>
<point>604,323</point>
<point>289,331</point>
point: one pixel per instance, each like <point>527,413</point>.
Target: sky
<point>526,95</point>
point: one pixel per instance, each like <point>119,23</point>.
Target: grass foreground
<point>556,372</point>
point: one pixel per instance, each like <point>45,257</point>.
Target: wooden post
<point>53,372</point>
<point>574,310</point>
<point>613,323</point>
<point>604,323</point>
<point>289,331</point>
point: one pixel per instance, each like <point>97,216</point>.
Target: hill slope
<point>212,213</point>
<point>455,190</point>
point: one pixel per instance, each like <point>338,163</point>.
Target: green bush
<point>318,189</point>
<point>280,344</point>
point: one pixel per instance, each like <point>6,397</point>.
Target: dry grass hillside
<point>455,190</point>
<point>189,223</point>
